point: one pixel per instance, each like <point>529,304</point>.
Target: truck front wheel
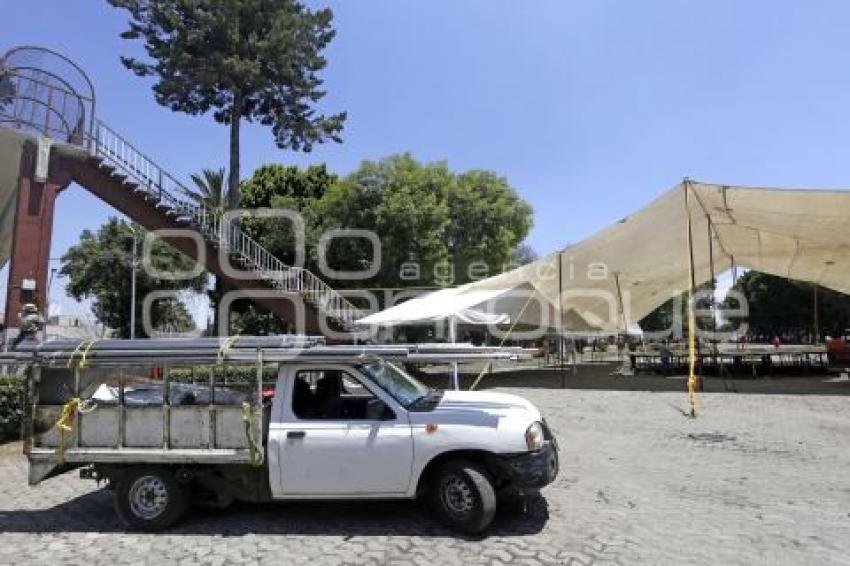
<point>463,497</point>
<point>149,499</point>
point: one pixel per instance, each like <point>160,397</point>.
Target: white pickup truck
<point>329,426</point>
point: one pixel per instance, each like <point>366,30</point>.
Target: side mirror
<point>377,410</point>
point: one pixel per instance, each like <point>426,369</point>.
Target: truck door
<point>336,435</point>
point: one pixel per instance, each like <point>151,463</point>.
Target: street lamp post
<point>133,266</point>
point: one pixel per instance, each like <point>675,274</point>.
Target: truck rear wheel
<point>463,497</point>
<point>149,499</point>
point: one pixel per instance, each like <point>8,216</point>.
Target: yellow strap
<point>249,413</point>
<point>68,418</point>
<point>69,409</point>
<point>76,351</point>
<point>86,353</point>
<point>502,343</point>
<point>66,424</point>
<point>692,359</point>
<point>225,347</point>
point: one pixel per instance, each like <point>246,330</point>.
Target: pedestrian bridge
<point>50,137</point>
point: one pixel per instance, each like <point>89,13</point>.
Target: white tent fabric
<point>616,277</point>
<point>441,305</point>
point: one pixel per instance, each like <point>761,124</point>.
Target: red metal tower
<point>43,96</point>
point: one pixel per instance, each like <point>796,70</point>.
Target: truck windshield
<point>403,388</point>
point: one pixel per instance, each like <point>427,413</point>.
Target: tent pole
<point>620,303</point>
<point>622,312</point>
<point>561,320</point>
<point>713,340</point>
<point>734,271</point>
<point>453,338</point>
<point>711,268</point>
<point>692,353</point>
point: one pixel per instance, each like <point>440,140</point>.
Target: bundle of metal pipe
<point>165,344</point>
<point>243,349</point>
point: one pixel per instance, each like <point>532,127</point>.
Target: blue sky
<point>590,109</point>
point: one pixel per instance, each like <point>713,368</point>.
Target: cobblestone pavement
<point>755,479</point>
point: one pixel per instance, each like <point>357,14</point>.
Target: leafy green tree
<point>256,60</point>
<point>432,223</point>
<point>286,188</point>
<point>405,203</point>
<point>99,269</point>
<point>436,227</point>
<point>11,406</point>
<point>779,306</point>
<point>486,216</point>
<point>664,318</point>
<point>172,317</point>
<point>283,188</point>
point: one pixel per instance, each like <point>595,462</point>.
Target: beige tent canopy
<point>618,276</point>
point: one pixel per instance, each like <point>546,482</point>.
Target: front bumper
<point>533,470</point>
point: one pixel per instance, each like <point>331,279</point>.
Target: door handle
<point>296,434</point>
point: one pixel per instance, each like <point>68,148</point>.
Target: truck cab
<point>371,430</point>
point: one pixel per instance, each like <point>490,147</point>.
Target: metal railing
<point>172,196</point>
<point>38,102</point>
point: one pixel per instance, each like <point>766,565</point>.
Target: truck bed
<point>137,426</point>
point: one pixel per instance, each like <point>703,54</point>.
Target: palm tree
<point>211,192</point>
<point>210,189</point>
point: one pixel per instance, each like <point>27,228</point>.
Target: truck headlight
<point>534,437</point>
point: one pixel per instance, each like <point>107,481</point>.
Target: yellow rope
<point>502,343</point>
<point>249,413</point>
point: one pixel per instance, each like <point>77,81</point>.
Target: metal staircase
<point>45,93</point>
<point>142,176</point>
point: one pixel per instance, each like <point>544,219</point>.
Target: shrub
<point>11,406</point>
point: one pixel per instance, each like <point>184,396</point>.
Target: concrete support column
<point>29,267</point>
